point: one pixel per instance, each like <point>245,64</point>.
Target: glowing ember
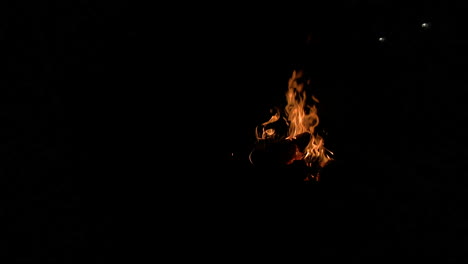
<point>290,135</point>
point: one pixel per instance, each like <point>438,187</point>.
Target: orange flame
<point>300,118</point>
<point>303,118</point>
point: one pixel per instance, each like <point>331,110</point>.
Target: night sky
<point>98,98</point>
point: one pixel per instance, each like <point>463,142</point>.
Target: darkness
<point>65,70</point>
<point>124,123</point>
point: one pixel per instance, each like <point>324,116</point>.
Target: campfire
<point>289,138</point>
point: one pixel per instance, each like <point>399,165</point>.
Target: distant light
<point>382,39</point>
<point>426,25</point>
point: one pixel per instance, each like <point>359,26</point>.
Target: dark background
<point>67,67</point>
<point>103,102</point>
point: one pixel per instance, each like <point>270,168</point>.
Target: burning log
<point>273,154</point>
<point>284,160</point>
<point>282,152</point>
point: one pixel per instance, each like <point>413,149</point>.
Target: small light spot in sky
<point>426,25</point>
<point>382,39</point>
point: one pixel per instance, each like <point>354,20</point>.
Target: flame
<point>297,123</point>
<point>303,118</point>
<point>268,132</point>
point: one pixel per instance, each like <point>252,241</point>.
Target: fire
<point>296,125</point>
<point>303,118</point>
